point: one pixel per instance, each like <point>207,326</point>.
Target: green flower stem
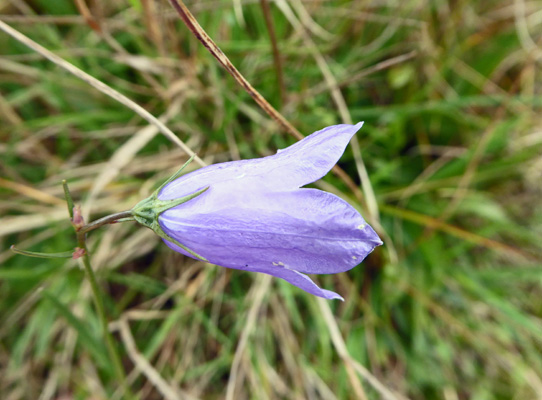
<point>113,353</point>
<point>124,216</point>
<point>81,231</point>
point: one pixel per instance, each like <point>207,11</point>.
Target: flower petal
<point>300,280</point>
<point>304,230</point>
<point>312,157</point>
<point>304,162</point>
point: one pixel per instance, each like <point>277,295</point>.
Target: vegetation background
<point>449,308</point>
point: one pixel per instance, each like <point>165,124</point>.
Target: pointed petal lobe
<point>301,281</point>
<point>304,162</point>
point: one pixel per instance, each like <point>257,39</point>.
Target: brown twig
<point>204,38</point>
<point>87,15</point>
<point>277,59</point>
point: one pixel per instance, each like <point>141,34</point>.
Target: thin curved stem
<point>124,215</point>
<point>80,232</point>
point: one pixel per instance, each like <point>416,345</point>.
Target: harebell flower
<point>254,215</point>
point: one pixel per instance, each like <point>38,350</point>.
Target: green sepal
<point>147,211</point>
<point>176,174</point>
<point>160,232</point>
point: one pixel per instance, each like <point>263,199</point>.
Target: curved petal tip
<point>329,295</point>
<point>298,279</point>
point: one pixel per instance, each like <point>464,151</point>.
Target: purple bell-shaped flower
<point>253,215</point>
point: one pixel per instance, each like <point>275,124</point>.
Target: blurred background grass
<point>449,308</point>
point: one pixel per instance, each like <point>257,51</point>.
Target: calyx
<point>147,211</point>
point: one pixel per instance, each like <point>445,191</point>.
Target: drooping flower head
<point>253,215</point>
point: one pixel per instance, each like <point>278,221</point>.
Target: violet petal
<point>300,280</point>
<point>305,230</point>
<point>302,163</point>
